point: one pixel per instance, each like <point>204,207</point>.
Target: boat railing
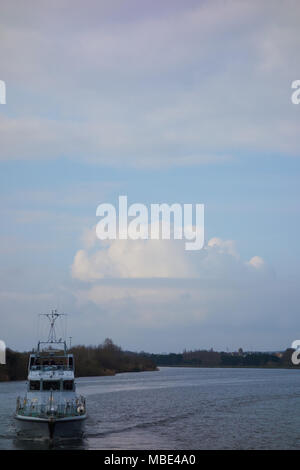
<point>50,367</point>
<point>69,408</point>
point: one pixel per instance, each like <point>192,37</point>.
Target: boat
<point>50,407</point>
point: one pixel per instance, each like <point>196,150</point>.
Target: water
<point>177,408</point>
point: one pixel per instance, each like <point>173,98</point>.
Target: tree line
<point>104,359</point>
<point>205,358</point>
<point>109,359</point>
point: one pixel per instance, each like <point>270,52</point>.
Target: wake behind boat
<point>50,407</point>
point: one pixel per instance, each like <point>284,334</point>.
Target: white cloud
<point>155,282</point>
<point>223,246</point>
<point>132,259</point>
<point>257,262</point>
<point>157,259</point>
<point>194,85</point>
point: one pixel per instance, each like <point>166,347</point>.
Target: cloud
<point>148,85</point>
<point>189,84</point>
<point>132,259</point>
<point>157,282</point>
<point>257,262</point>
<point>223,246</point>
<point>142,259</point>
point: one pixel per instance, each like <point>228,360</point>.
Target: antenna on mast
<point>52,317</point>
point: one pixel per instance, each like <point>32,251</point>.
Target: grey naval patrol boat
<point>50,407</point>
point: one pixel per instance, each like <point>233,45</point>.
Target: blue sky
<point>185,102</point>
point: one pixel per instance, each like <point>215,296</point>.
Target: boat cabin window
<point>35,364</point>
<point>68,385</point>
<point>34,385</point>
<point>51,385</point>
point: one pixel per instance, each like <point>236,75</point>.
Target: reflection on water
<point>41,444</point>
<point>177,409</point>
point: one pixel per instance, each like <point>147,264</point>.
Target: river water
<point>178,408</point>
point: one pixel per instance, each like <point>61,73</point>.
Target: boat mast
<point>52,317</point>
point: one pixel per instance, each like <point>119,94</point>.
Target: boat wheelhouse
<point>51,407</point>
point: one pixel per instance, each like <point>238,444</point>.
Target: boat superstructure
<point>51,407</point>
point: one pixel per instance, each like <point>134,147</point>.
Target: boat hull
<point>41,428</point>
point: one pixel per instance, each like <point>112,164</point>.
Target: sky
<point>165,102</point>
